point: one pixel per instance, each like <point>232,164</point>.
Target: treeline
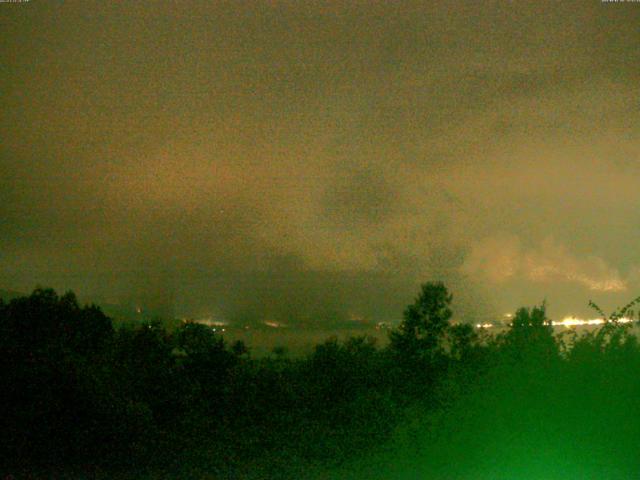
<point>84,400</point>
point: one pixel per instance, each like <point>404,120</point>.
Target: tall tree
<point>530,336</point>
<point>425,323</point>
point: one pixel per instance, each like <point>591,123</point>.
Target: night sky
<point>319,160</point>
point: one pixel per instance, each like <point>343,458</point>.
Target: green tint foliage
<point>440,402</point>
<point>530,337</point>
<point>424,324</point>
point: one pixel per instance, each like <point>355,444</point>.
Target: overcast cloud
<point>321,159</point>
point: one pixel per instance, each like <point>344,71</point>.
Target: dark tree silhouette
<point>424,324</point>
<point>463,341</point>
<point>78,395</point>
<point>530,336</point>
<point>43,321</point>
<point>239,348</point>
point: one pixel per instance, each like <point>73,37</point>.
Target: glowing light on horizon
<point>570,322</point>
<point>208,321</point>
<point>274,324</point>
<point>577,322</point>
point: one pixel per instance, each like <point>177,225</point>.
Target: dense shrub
<point>440,401</point>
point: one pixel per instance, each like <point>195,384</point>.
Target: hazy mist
<point>310,161</point>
